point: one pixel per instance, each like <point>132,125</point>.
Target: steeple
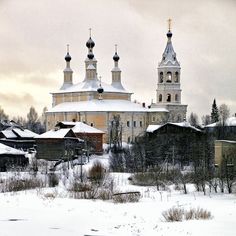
<point>169,55</point>
<point>168,93</point>
<point>116,72</point>
<point>90,61</point>
<point>68,80</point>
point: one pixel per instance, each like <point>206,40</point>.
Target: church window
<point>134,123</point>
<point>91,124</point>
<point>128,124</point>
<point>160,98</point>
<point>161,77</point>
<point>128,140</point>
<point>153,118</point>
<point>74,120</point>
<point>141,124</point>
<point>169,77</point>
<point>168,99</point>
<point>176,97</point>
<point>176,77</point>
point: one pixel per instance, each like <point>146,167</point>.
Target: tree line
<point>33,121</point>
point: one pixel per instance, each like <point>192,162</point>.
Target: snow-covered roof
<point>60,133</point>
<point>99,105</point>
<point>18,132</point>
<point>80,127</point>
<point>152,128</point>
<point>9,134</point>
<point>231,121</point>
<point>4,149</point>
<point>91,85</point>
<point>157,109</point>
<point>226,141</point>
<point>24,133</point>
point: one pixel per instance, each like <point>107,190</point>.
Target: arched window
<point>160,98</point>
<point>176,77</point>
<point>169,77</point>
<point>176,97</point>
<point>161,77</point>
<point>168,98</point>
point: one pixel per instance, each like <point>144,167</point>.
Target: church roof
<point>102,105</point>
<point>169,55</point>
<point>92,86</point>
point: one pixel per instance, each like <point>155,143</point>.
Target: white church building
<point>97,103</point>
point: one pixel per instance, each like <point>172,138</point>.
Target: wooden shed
<point>11,157</point>
<point>58,144</point>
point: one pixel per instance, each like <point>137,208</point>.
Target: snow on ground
<point>32,212</point>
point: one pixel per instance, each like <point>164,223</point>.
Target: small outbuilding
<point>11,158</point>
<point>58,144</point>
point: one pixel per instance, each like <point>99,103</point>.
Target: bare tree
<point>206,119</point>
<point>193,119</point>
<point>3,115</point>
<point>224,113</point>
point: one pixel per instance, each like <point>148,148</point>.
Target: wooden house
<point>58,144</point>
<point>92,137</point>
<point>11,157</point>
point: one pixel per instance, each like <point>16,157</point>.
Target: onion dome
<point>90,55</point>
<point>68,57</point>
<point>169,34</point>
<point>116,57</point>
<point>90,43</point>
<point>100,90</point>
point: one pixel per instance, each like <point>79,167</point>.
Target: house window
<point>141,124</point>
<point>160,97</point>
<point>134,123</point>
<point>128,124</point>
<point>168,98</point>
<point>169,77</point>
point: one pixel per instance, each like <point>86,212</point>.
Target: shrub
<point>173,214</point>
<point>97,172</point>
<point>53,180</point>
<point>197,214</point>
<point>15,184</point>
<point>126,197</point>
<point>178,214</point>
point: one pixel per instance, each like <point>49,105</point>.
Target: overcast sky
<point>34,34</point>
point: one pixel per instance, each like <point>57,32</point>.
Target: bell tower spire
<point>168,86</point>
<point>68,72</point>
<point>90,61</point>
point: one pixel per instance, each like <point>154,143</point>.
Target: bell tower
<point>168,93</point>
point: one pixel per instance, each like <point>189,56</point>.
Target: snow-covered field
<point>33,213</point>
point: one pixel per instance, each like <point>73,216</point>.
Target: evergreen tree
<point>214,112</point>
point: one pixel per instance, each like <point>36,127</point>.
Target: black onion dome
<point>100,90</point>
<point>90,43</point>
<point>90,55</point>
<point>116,57</point>
<point>169,34</point>
<point>67,57</point>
